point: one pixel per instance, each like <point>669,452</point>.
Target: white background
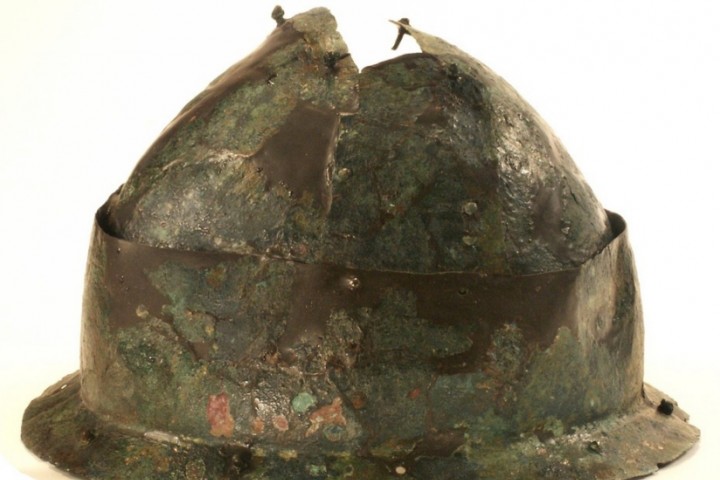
<point>631,87</point>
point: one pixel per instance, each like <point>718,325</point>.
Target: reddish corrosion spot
<point>221,421</point>
<point>257,425</point>
<point>328,415</point>
<point>414,393</point>
<point>358,400</point>
<point>300,249</point>
<point>280,423</point>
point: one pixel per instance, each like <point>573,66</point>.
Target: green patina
<point>303,402</point>
<point>317,272</point>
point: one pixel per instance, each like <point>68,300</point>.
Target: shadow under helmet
<point>316,272</point>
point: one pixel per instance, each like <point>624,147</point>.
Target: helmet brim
<point>59,428</point>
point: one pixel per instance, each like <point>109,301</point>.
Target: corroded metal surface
<point>321,273</point>
<point>458,375</point>
<point>618,447</point>
<point>296,155</point>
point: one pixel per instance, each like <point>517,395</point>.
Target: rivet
<point>666,407</point>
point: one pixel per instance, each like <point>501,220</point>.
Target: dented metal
<point>317,272</point>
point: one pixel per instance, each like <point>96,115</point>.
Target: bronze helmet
<point>317,272</point>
